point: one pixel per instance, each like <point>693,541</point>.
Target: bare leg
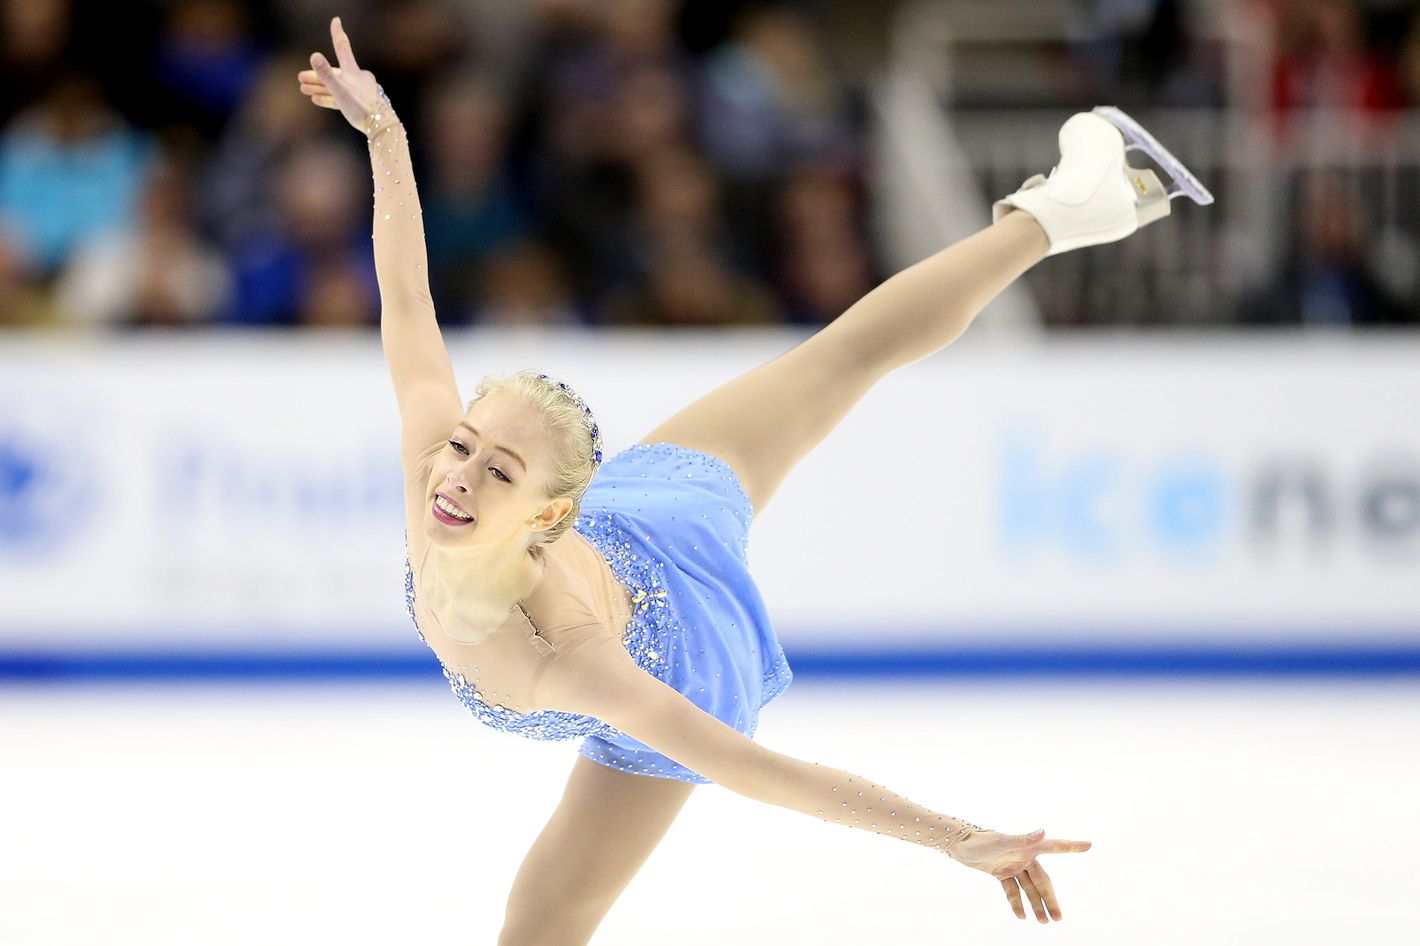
<point>766,420</point>
<point>603,830</point>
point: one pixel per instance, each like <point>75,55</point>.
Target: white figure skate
<point>1093,196</point>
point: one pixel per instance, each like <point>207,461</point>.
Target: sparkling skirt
<point>674,525</point>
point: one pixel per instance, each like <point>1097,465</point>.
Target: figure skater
<point>611,601</point>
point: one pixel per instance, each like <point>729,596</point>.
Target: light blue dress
<point>673,524</point>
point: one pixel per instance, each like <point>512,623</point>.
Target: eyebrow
<point>496,446</point>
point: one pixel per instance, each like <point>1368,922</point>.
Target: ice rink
<point>1253,810</point>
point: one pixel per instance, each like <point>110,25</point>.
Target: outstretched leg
<point>766,420</point>
<point>603,830</point>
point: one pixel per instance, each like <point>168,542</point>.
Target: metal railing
<point>1201,266</point>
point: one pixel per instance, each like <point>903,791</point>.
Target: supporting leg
<point>603,830</point>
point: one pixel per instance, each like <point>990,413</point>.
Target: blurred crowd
<point>630,162</point>
<point>600,162</point>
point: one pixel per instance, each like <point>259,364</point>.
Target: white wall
<point>245,489</point>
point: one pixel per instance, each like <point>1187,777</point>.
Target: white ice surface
<point>1247,811</point>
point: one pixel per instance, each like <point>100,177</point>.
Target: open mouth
<point>449,514</point>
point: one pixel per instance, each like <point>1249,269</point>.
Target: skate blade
<point>1181,179</point>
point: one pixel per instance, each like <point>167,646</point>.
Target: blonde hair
<point>574,446</point>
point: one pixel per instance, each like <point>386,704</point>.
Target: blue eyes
<point>464,450</point>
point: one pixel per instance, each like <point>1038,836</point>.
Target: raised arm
<point>603,681</point>
<point>423,376</point>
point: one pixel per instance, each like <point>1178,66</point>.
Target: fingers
<point>1029,887</point>
<point>1059,846</point>
<point>343,52</point>
<point>1013,894</point>
<point>1034,880</point>
<point>1046,889</point>
<point>319,92</point>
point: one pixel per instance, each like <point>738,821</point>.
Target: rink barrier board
<point>1157,659</point>
<point>1076,493</point>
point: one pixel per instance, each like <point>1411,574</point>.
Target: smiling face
<point>495,469</point>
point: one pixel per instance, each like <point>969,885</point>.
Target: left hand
<point>1011,859</point>
<point>348,88</point>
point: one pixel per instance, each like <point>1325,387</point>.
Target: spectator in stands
<point>70,169</point>
<point>22,300</point>
<point>317,247</point>
<point>1410,63</point>
<point>677,196</point>
<point>35,36</point>
<point>642,33</point>
<point>236,199</point>
<point>579,193</point>
<point>158,273</point>
<point>415,41</point>
<point>677,191</point>
<point>205,58</point>
<point>470,207</point>
<point>1323,59</point>
<point>336,293</point>
<point>1328,280</point>
<point>678,235</point>
<point>767,100</point>
<point>523,284</point>
<point>824,260</point>
<point>614,105</point>
<point>1145,52</point>
<point>688,284</point>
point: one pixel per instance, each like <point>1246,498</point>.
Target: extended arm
<point>419,364</point>
<point>601,680</point>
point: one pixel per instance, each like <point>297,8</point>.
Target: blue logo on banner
<point>1092,507</point>
<point>36,496</point>
<point>335,491</point>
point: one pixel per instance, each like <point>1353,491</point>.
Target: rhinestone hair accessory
<point>586,414</point>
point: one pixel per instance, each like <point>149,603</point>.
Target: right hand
<point>1011,859</point>
<point>347,87</point>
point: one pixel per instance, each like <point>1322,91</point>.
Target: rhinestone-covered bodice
<point>647,636</point>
